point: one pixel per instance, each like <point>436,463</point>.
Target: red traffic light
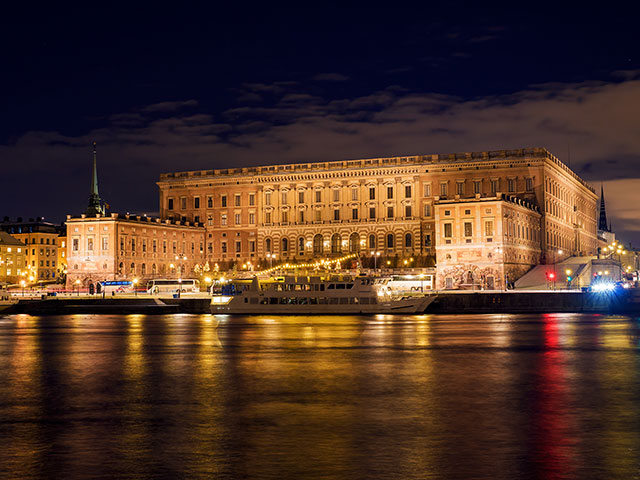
<point>551,275</point>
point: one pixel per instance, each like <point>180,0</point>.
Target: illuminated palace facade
<point>394,207</point>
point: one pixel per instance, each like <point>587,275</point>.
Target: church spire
<point>95,203</point>
<point>602,223</point>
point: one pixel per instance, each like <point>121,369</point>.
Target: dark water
<point>483,396</point>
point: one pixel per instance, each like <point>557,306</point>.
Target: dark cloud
<point>330,77</point>
<point>169,106</point>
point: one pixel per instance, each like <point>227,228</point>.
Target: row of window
<point>336,193</point>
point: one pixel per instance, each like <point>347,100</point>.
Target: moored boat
<point>316,295</point>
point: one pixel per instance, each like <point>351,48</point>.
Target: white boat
<point>299,295</point>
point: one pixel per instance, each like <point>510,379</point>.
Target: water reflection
<point>483,396</point>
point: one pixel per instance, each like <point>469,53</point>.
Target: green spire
<point>95,203</point>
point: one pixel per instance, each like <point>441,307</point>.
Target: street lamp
<point>568,272</point>
<point>207,280</point>
<point>135,286</point>
<point>179,287</point>
<point>375,256</point>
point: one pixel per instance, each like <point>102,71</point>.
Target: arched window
<point>408,240</point>
<point>354,243</point>
<point>318,244</point>
<point>285,244</point>
<point>143,269</point>
<point>372,241</point>
<point>301,245</point>
<point>267,245</point>
<point>390,240</point>
<point>154,269</point>
<point>336,241</point>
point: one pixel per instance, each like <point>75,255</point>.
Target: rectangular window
<point>477,186</point>
<point>372,212</point>
<point>209,201</point>
<point>170,204</point>
<point>74,245</point>
<point>468,229</point>
<point>183,203</point>
<point>90,244</point>
<point>223,220</point>
<point>318,215</point>
<point>144,244</point>
<point>336,214</point>
<point>196,219</point>
<point>252,199</point>
<point>223,201</point>
<point>252,245</point>
<point>164,246</point>
<point>427,240</point>
<point>133,244</point>
<point>354,194</point>
<point>407,211</point>
<point>529,184</point>
<point>354,214</point>
<point>495,186</point>
<point>154,246</point>
<point>300,197</point>
<point>267,217</point>
<point>407,191</point>
<point>443,189</point>
<point>267,198</point>
<point>448,230</point>
<point>372,193</point>
<point>238,246</point>
<point>285,217</point>
<point>237,219</point>
<point>488,228</point>
<point>196,202</point>
<point>426,189</point>
<point>459,188</point>
<point>427,210</point>
<point>301,216</point>
<point>336,195</point>
<point>511,185</point>
<point>389,212</point>
<point>237,199</point>
<point>223,247</point>
<point>284,198</point>
<point>209,247</point>
<point>210,220</point>
<point>318,196</point>
<point>389,192</point>
<point>252,218</point>
<point>175,247</point>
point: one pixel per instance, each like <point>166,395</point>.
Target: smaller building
<point>125,247</point>
<point>12,259</point>
<point>42,246</point>
<point>485,243</point>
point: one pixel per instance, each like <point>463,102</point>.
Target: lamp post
<point>568,272</point>
<point>78,287</point>
<point>135,286</point>
<point>207,281</point>
<point>375,256</point>
<point>555,261</point>
<point>179,287</point>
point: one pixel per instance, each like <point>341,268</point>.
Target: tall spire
<point>95,203</point>
<point>602,223</point>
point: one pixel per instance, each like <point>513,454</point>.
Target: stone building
<point>382,206</point>
<point>12,259</point>
<point>42,246</point>
<point>115,247</point>
<point>483,243</point>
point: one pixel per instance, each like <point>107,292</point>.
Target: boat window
<point>364,300</point>
<point>298,288</point>
<point>273,301</point>
<point>349,285</point>
<point>333,300</point>
<point>246,300</point>
<point>331,286</point>
<point>340,286</point>
<point>344,300</point>
<point>313,301</point>
<point>322,287</point>
<point>323,300</point>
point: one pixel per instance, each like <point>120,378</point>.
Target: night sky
<point>184,88</point>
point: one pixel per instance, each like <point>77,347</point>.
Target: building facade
<point>12,259</point>
<point>382,208</point>
<point>42,246</point>
<point>486,243</point>
<point>115,247</point>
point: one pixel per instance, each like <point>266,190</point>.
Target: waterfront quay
<point>446,302</point>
